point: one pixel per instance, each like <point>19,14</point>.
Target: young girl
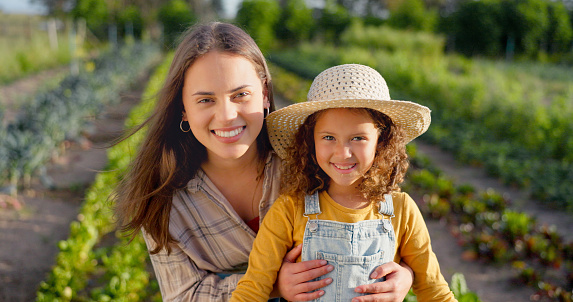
<point>205,174</point>
<point>344,156</point>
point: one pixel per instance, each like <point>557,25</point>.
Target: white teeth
<point>344,167</point>
<point>228,133</point>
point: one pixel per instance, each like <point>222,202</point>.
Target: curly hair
<point>301,174</point>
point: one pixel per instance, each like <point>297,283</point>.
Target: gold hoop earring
<point>181,127</point>
<point>266,112</point>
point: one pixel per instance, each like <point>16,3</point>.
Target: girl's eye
<point>328,137</point>
<point>358,138</point>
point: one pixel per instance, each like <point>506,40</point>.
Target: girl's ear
<point>184,116</point>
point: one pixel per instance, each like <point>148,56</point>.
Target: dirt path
<point>30,235</point>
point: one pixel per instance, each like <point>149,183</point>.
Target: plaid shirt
<point>212,239</point>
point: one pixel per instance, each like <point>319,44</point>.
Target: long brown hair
<point>169,158</point>
<point>301,174</point>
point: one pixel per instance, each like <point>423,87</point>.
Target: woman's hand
<point>399,279</point>
<point>293,278</point>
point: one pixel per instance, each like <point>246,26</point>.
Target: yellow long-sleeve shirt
<point>283,228</point>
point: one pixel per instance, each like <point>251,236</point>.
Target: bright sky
<point>20,7</point>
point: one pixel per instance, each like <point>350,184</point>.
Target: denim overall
<point>354,249</point>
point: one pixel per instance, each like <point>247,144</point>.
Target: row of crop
<point>85,271</point>
<point>484,223</point>
<point>515,123</point>
<point>294,88</point>
<point>64,113</point>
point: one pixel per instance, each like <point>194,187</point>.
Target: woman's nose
<point>227,111</point>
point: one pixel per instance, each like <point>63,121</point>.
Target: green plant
<point>175,16</point>
<point>412,14</point>
<point>261,28</point>
<point>296,23</point>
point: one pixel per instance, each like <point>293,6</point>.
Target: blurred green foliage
<point>175,16</point>
<point>412,14</point>
<point>525,28</point>
<point>95,13</point>
<point>259,19</point>
<point>296,23</point>
<point>333,21</point>
<point>130,19</point>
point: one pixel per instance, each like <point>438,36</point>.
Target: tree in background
<point>560,30</point>
<point>524,28</point>
<point>475,28</point>
<point>296,23</point>
<point>412,14</point>
<point>130,21</point>
<point>525,22</point>
<point>175,16</point>
<point>259,19</point>
<point>96,14</point>
<point>334,20</point>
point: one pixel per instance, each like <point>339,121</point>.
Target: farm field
<point>493,175</point>
<point>92,263</point>
<point>35,230</point>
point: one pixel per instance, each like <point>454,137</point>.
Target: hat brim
<point>414,119</point>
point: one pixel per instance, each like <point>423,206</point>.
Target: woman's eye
<point>204,101</point>
<point>242,94</point>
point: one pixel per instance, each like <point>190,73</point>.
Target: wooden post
<point>53,33</point>
<point>74,66</point>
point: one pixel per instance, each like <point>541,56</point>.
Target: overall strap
<point>386,207</point>
<point>311,205</point>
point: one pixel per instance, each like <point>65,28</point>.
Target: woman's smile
<point>228,133</point>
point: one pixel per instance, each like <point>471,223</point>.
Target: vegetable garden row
<point>64,113</point>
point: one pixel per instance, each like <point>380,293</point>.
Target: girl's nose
<point>343,150</point>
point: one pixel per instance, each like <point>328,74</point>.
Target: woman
<point>205,174</point>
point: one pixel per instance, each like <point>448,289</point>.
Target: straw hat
<point>346,86</point>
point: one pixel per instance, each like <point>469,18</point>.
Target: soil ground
<point>32,225</point>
